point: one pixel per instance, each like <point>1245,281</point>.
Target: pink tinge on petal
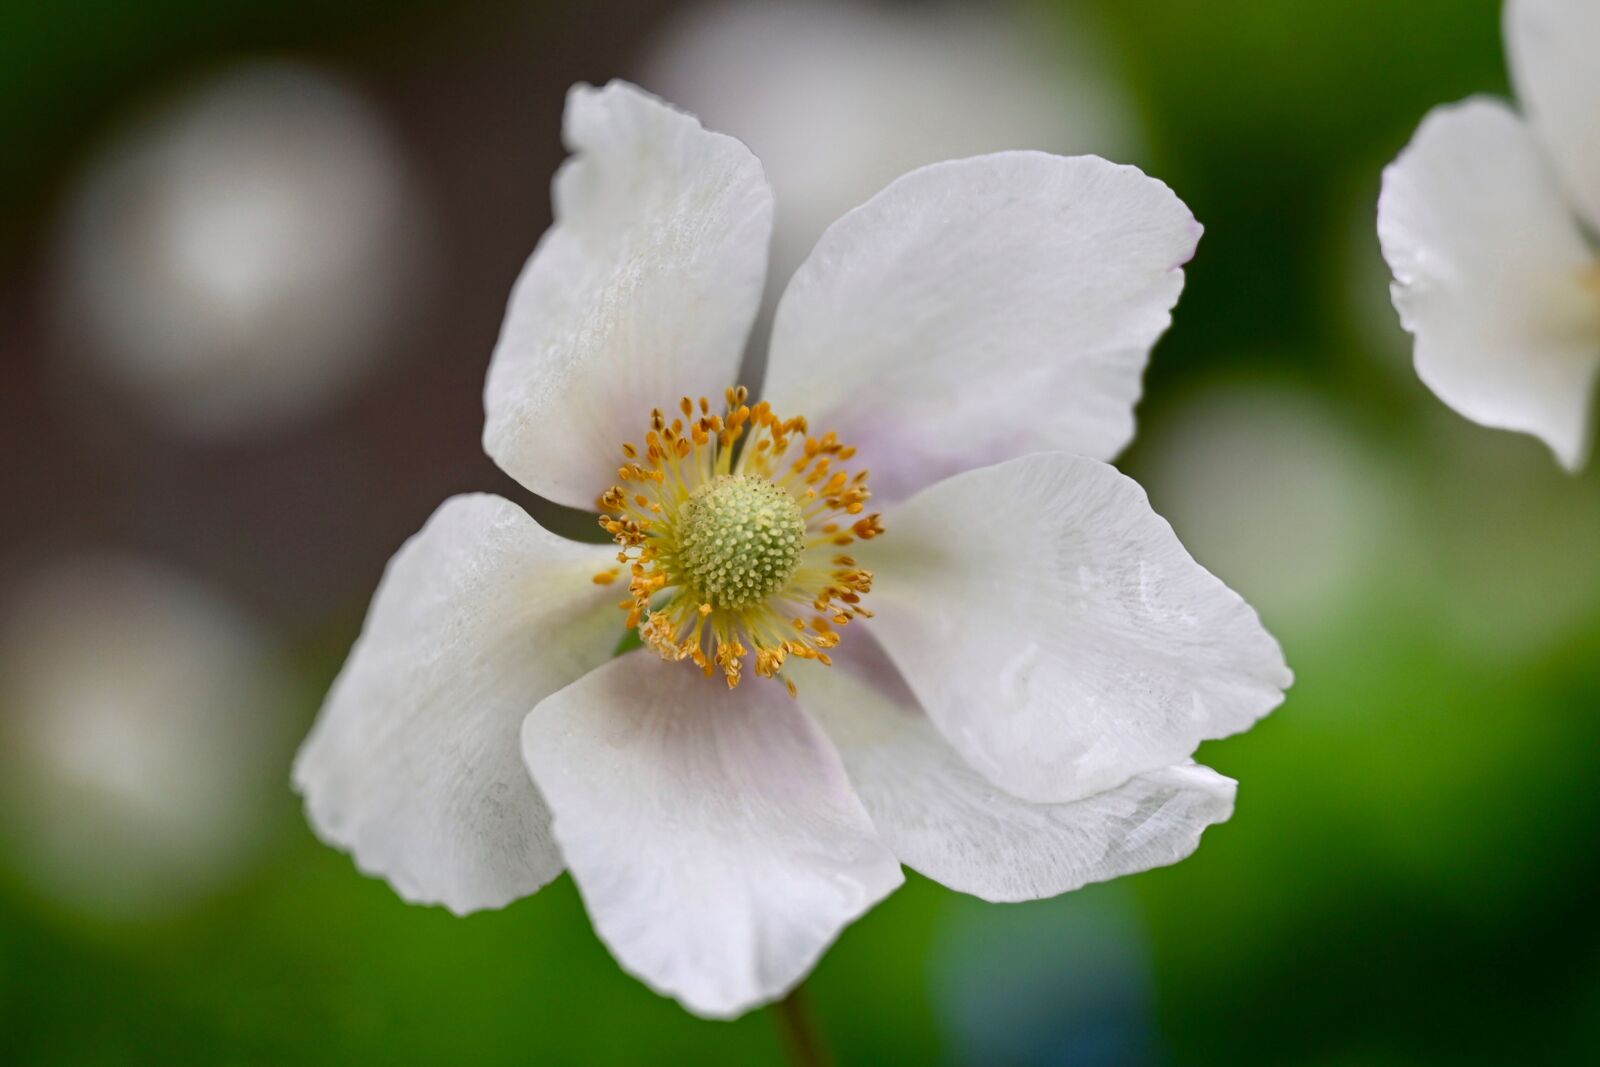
<point>713,833</point>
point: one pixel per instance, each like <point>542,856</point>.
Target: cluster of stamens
<point>731,528</point>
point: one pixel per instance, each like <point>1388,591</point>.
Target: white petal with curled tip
<point>944,819</point>
<point>642,292</point>
<point>414,765</point>
<point>1554,47</point>
<point>1057,633</point>
<point>712,833</point>
<point>981,309</point>
<point>1493,277</point>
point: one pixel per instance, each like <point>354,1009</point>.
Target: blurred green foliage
<point>1411,874</point>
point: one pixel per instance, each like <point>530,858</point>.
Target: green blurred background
<point>1411,873</point>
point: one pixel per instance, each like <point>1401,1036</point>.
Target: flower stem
<point>798,1030</point>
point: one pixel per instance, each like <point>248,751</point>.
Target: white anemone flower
<point>1488,220</point>
<point>241,257</point>
<point>1043,655</point>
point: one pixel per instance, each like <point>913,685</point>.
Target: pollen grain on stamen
<point>1589,279</point>
<point>729,525</point>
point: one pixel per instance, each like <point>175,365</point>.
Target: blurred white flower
<point>837,99</point>
<point>1043,655</point>
<point>141,736</point>
<point>240,257</point>
<point>1277,494</point>
<point>1488,221</point>
<point>1511,568</point>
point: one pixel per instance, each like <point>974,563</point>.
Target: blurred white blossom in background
<point>1509,545</point>
<point>1487,219</point>
<point>1470,500</point>
<point>839,99</point>
<point>240,256</point>
<point>141,736</point>
<point>1276,491</point>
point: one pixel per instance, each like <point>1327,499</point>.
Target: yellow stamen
<point>730,546</point>
<point>1589,279</point>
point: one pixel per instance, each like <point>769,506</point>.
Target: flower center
<point>741,540</point>
<point>731,527</point>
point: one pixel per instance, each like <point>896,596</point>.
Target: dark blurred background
<point>253,260</point>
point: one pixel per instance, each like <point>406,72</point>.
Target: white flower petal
<point>1056,631</point>
<point>414,764</point>
<point>1489,271</point>
<point>713,833</point>
<point>642,292</point>
<point>944,819</point>
<point>838,99</point>
<point>1553,46</point>
<point>982,309</point>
